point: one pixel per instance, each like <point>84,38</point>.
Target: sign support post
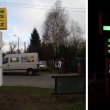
<point>1,73</point>
<point>3,26</point>
<point>104,30</point>
<point>106,67</point>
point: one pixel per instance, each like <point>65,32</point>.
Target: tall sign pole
<point>106,67</point>
<point>104,30</point>
<point>1,73</point>
<point>3,26</point>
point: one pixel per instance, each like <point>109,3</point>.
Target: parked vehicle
<point>43,65</point>
<point>25,62</point>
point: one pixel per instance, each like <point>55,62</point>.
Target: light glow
<point>106,28</point>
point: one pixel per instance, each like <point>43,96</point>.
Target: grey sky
<point>22,18</point>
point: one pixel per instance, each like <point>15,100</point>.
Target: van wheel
<point>30,72</point>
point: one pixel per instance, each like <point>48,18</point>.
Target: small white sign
<point>109,70</point>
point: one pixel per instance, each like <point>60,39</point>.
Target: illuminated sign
<point>104,23</point>
<point>3,18</point>
<point>106,28</point>
<point>109,45</point>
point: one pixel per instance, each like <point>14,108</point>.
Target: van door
<point>5,65</point>
<point>14,64</point>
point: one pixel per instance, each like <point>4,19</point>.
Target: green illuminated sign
<point>108,45</point>
<point>108,39</point>
<point>108,51</point>
<point>106,28</point>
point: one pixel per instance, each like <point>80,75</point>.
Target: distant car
<point>43,65</point>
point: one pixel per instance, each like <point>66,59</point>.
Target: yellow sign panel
<point>3,19</point>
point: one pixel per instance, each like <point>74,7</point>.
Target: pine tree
<point>34,45</point>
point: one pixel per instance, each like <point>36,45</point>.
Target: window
<point>42,63</point>
<point>14,59</point>
<point>24,59</point>
<point>5,60</point>
<point>27,59</point>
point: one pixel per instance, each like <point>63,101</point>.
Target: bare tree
<point>75,29</point>
<point>55,26</point>
<point>12,46</point>
<point>75,38</point>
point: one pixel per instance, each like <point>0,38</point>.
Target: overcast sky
<point>21,19</point>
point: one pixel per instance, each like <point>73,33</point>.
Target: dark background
<point>96,61</point>
<point>96,45</point>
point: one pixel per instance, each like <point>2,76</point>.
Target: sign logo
<point>3,18</point>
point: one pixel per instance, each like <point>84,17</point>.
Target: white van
<point>24,62</point>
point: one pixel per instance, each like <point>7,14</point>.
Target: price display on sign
<point>3,19</point>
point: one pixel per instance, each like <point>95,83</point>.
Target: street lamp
<point>18,43</point>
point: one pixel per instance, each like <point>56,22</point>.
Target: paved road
<point>39,80</point>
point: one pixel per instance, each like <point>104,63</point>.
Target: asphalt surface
<point>38,80</point>
<point>44,80</point>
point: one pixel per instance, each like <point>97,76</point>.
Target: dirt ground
<point>21,102</point>
<point>37,102</point>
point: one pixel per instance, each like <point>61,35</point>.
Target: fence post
<point>81,66</point>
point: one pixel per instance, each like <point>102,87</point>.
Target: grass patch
<point>25,90</point>
<point>52,70</point>
<point>34,98</point>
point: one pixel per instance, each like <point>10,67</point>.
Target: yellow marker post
<point>3,19</point>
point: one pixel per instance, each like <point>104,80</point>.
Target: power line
<point>38,5</point>
<point>11,31</point>
<point>16,5</point>
<point>14,34</point>
<point>37,8</point>
<point>23,6</point>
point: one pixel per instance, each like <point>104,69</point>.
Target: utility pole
<point>18,43</point>
<point>10,46</point>
<point>24,47</point>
